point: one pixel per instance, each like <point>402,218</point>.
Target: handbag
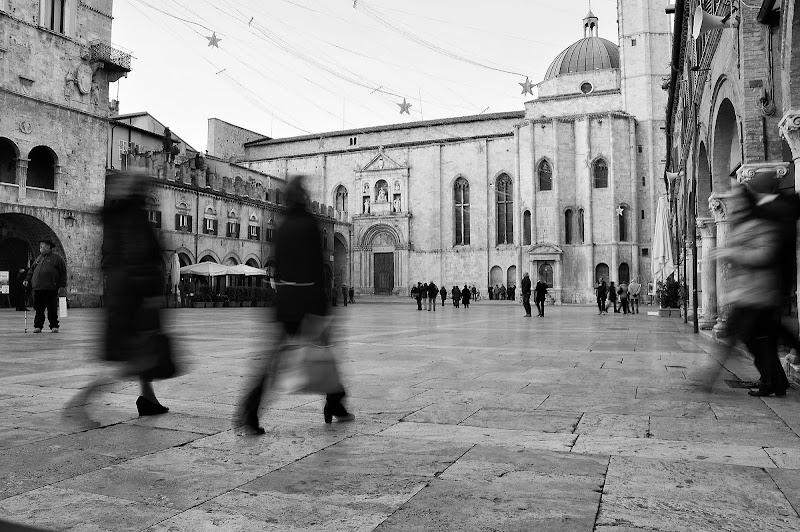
<point>62,307</point>
<point>308,363</point>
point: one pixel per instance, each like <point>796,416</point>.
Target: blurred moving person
<point>47,275</point>
<point>755,282</point>
<point>134,273</point>
<point>300,278</point>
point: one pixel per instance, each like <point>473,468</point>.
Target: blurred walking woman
<point>134,278</point>
<point>300,276</point>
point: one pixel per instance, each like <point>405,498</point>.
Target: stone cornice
<point>53,104</point>
<point>576,117</point>
<point>574,95</point>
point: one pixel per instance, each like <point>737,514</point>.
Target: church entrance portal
<point>384,273</point>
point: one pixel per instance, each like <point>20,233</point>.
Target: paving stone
<point>523,420</point>
<point>761,433</point>
<point>63,509</point>
<point>784,458</point>
<point>629,426</point>
<point>687,496</point>
<point>788,481</point>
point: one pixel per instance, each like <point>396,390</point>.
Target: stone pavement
<point>474,419</point>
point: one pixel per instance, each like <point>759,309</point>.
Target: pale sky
<point>288,67</point>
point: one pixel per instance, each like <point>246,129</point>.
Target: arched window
<point>601,272</point>
<point>505,210</point>
<point>8,161</point>
<point>600,173</point>
<point>568,226</point>
<point>341,198</point>
<point>624,273</point>
<point>461,202</point>
<point>581,228</point>
<point>526,228</point>
<point>545,176</point>
<point>624,219</point>
<point>42,168</point>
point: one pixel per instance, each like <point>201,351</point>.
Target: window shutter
<point>238,230</point>
<point>190,228</point>
<point>216,226</point>
<point>258,233</point>
<point>177,222</point>
<point>158,219</point>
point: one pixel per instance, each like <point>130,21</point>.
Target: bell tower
<point>590,27</point>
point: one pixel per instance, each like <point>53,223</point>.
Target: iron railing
<point>111,56</point>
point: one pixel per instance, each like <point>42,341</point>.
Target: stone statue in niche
<point>397,186</point>
<point>366,188</point>
<point>382,198</point>
<point>396,205</point>
<point>366,205</point>
<point>95,93</point>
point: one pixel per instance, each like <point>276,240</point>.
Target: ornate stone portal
<point>542,255</point>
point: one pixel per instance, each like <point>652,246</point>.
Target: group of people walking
<point>426,294</point>
<point>623,298</point>
<point>540,295</point>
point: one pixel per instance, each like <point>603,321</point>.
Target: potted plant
<point>232,293</point>
<point>669,296</point>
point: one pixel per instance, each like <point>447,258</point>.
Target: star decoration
<point>404,107</point>
<point>527,87</point>
<point>213,40</point>
<point>619,210</point>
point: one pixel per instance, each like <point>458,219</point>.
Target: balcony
<point>116,62</point>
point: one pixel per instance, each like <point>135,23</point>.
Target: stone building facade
<point>565,189</point>
<point>55,68</point>
<point>734,111</point>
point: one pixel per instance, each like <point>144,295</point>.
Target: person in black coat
<point>433,292</point>
<point>456,294</point>
<point>416,292</point>
<point>300,276</point>
<point>465,296</point>
<point>526,294</point>
<point>443,293</point>
<point>540,296</point>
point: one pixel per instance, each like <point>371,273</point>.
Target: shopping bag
<point>62,307</point>
<point>308,363</point>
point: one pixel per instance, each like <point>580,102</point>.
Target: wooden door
<point>384,273</point>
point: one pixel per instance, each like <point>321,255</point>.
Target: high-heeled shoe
<point>146,407</point>
<point>327,412</point>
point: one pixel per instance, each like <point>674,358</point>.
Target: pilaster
<point>708,236</point>
<point>22,176</point>
<point>719,204</point>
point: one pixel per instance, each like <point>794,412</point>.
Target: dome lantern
<point>590,25</point>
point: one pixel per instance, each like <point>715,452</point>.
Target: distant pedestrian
<point>47,275</point>
<point>491,292</point>
<point>418,296</point>
<point>633,294</point>
<point>612,296</point>
<point>601,291</point>
<point>503,292</point>
<point>352,294</point>
<point>456,295</point>
<point>526,294</point>
<point>622,292</point>
<point>443,293</point>
<point>334,296</point>
<point>474,292</point>
<point>512,292</point>
<point>424,296</point>
<point>540,296</point>
<point>433,293</point>
<point>465,296</point>
<point>344,294</point>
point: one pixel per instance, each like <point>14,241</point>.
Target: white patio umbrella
<point>663,262</point>
<point>244,269</point>
<point>175,275</point>
<point>209,269</point>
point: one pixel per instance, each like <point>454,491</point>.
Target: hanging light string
<point>374,14</point>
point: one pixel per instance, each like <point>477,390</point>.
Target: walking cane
<point>26,321</point>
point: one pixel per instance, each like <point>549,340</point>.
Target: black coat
<point>541,291</point>
<point>298,259</point>
<point>433,291</point>
<point>465,295</point>
<point>526,285</point>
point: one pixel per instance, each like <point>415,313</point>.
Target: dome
<point>586,55</point>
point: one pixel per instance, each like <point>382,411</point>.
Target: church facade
<point>565,189</point>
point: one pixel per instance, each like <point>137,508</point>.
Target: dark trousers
<point>634,304</point>
<point>540,306</point>
<point>601,304</point>
<point>45,299</point>
<point>758,329</point>
<point>526,302</point>
<point>344,298</point>
<point>624,303</point>
<point>419,303</point>
<point>443,298</point>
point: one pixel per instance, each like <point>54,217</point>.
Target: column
<point>588,212</point>
<point>612,184</point>
<point>22,177</point>
<point>718,203</point>
<point>708,234</point>
<point>635,218</point>
<point>790,130</point>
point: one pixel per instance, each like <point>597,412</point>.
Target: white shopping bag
<point>62,307</point>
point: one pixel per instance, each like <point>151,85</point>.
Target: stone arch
<point>209,254</point>
<point>624,274</point>
<point>260,192</point>
<point>19,241</point>
<point>42,168</point>
<point>705,185</point>
<point>231,259</point>
<point>544,174</point>
<point>496,276</point>
<point>9,154</point>
<point>238,186</point>
<point>601,270</point>
<point>726,147</point>
<point>526,227</point>
<point>185,256</point>
<point>252,260</point>
<point>340,197</point>
<point>371,234</point>
<point>511,276</point>
<point>600,175</point>
<point>624,223</point>
<point>341,259</point>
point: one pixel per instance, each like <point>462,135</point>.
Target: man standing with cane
<point>526,294</point>
<point>47,275</point>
